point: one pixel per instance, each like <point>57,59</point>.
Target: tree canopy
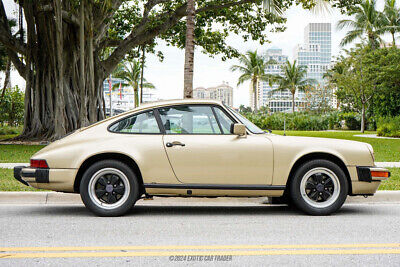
<point>71,46</point>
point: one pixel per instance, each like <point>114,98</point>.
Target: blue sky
<point>167,76</point>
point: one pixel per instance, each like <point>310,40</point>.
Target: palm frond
<point>351,36</point>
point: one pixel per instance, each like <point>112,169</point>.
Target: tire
<point>109,188</point>
<point>319,187</point>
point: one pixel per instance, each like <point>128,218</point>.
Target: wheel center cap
<point>109,188</point>
<point>320,187</point>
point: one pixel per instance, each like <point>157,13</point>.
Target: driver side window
<point>189,119</point>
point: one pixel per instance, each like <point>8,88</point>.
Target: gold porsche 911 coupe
<point>200,148</point>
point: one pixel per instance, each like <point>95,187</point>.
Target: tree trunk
<point>394,39</point>
<point>293,102</point>
<point>83,118</point>
<point>136,94</point>
<point>141,74</point>
<point>7,83</point>
<point>189,50</point>
<point>59,116</point>
<point>363,118</point>
<point>255,96</point>
<point>54,101</point>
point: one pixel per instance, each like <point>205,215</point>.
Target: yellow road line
<point>204,247</point>
<point>200,253</point>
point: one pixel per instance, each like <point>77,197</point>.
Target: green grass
<point>17,153</point>
<point>7,136</point>
<point>393,183</point>
<point>8,182</point>
<point>385,149</point>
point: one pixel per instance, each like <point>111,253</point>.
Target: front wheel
<point>319,187</point>
<point>109,188</point>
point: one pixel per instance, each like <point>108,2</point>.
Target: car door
<point>202,150</point>
<point>139,136</point>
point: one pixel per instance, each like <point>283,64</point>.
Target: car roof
<point>173,102</point>
<point>178,102</point>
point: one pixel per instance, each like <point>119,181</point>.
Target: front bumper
<point>50,179</point>
<point>371,174</point>
<point>362,180</point>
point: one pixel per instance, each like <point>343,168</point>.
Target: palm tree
<point>252,66</point>
<point>130,72</point>
<point>273,6</point>
<point>293,79</point>
<point>367,21</point>
<point>189,50</point>
<point>390,19</point>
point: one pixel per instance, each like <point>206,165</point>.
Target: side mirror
<point>238,129</point>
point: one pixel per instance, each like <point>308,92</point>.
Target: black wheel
<point>109,188</point>
<point>319,187</point>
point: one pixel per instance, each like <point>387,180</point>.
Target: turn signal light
<point>380,174</point>
<point>39,163</point>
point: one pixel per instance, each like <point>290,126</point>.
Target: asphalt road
<point>212,233</point>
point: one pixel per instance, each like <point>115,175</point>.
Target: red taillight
<point>39,163</point>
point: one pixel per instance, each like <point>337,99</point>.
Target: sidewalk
<point>380,197</point>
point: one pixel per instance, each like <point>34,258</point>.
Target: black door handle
<point>175,143</point>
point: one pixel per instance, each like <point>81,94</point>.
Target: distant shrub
<point>297,121</point>
<point>12,107</point>
<point>389,126</point>
<point>352,120</point>
<point>8,130</point>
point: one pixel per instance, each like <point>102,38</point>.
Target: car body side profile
<point>200,148</point>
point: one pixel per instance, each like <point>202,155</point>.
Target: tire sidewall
<point>295,193</point>
<point>133,193</point>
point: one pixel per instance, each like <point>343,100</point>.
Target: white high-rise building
<point>277,101</point>
<point>316,52</point>
<point>223,93</point>
<point>316,55</point>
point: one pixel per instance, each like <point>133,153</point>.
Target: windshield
<point>249,125</point>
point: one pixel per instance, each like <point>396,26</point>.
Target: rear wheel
<point>319,187</point>
<point>109,188</point>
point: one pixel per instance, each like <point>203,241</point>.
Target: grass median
<point>17,153</point>
<point>8,182</point>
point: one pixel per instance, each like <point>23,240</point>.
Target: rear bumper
<point>28,175</point>
<point>50,179</point>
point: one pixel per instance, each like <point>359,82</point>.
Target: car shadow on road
<point>193,210</point>
<point>196,210</point>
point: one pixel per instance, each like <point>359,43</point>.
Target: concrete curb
<point>67,198</point>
